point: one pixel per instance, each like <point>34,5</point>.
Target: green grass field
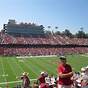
<point>11,67</point>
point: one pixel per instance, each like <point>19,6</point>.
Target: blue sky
<point>71,14</point>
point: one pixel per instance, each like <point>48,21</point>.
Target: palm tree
<point>49,27</point>
<point>56,27</point>
<point>81,28</point>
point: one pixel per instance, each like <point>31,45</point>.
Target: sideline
<point>36,56</point>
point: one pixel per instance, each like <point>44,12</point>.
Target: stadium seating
<point>43,51</point>
<point>51,40</point>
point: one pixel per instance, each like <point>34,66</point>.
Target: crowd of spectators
<point>51,39</point>
<point>45,80</point>
<point>43,51</point>
<point>80,79</point>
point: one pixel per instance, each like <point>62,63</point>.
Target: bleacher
<point>49,40</point>
<point>52,40</point>
<point>31,38</point>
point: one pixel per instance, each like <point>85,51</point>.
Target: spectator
<point>35,85</point>
<point>52,80</point>
<point>41,81</point>
<point>65,73</point>
<point>48,81</point>
<point>26,80</point>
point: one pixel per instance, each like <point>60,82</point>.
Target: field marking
<point>19,67</point>
<point>3,69</point>
<point>84,55</point>
<point>46,56</point>
<point>4,75</point>
<point>17,62</point>
<point>21,60</point>
<point>11,82</point>
<point>36,56</point>
<point>14,73</point>
<point>27,65</point>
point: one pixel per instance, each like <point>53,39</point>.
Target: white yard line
<point>22,70</point>
<point>11,82</point>
<point>45,56</point>
<point>3,70</point>
<point>14,72</point>
<point>4,75</point>
<point>84,55</point>
<point>19,67</point>
<point>36,56</point>
<point>27,65</point>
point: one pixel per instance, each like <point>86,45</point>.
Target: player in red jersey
<point>65,73</point>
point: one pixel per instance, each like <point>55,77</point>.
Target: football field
<point>12,67</point>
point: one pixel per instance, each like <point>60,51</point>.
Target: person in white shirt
<point>48,80</point>
<point>52,80</point>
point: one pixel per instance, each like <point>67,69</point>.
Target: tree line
<point>66,32</point>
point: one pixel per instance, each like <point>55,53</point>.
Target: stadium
<point>27,47</point>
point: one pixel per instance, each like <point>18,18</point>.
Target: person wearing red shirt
<point>65,73</point>
<point>41,81</point>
